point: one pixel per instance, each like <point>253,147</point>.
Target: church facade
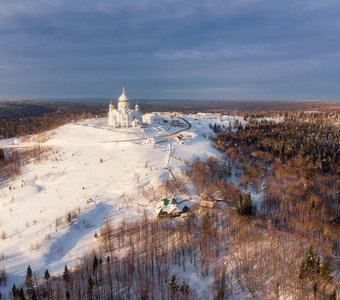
<point>123,116</point>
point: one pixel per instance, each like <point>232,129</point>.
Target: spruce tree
<point>21,294</point>
<point>220,293</point>
<point>332,296</point>
<point>47,275</point>
<point>173,284</point>
<point>95,264</point>
<point>315,289</point>
<point>90,287</point>
<point>243,204</point>
<point>2,154</point>
<point>29,272</point>
<point>186,289</point>
<point>15,291</point>
<point>310,265</point>
<point>29,283</point>
<point>66,274</point>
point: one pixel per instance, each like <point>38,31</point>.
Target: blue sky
<point>170,49</point>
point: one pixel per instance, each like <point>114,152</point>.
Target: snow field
<point>51,212</point>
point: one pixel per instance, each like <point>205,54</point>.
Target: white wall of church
<point>123,116</point>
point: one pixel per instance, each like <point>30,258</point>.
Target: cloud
<point>169,48</point>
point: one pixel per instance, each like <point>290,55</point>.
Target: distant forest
<point>25,117</point>
<point>18,118</point>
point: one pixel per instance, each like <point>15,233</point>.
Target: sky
<point>170,49</point>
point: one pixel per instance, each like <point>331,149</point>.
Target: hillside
<point>91,205</point>
<point>50,213</point>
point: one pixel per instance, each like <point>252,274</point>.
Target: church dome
<point>123,96</point>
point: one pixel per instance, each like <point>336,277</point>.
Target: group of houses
<point>172,208</point>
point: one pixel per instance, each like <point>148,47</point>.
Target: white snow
<point>94,173</point>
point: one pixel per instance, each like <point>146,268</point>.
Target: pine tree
<point>21,294</point>
<point>47,275</point>
<point>310,265</point>
<point>29,272</point>
<point>46,288</point>
<point>90,287</point>
<point>15,291</point>
<point>29,283</point>
<point>243,204</point>
<point>173,284</point>
<point>332,296</point>
<point>315,289</point>
<point>95,264</point>
<point>2,154</point>
<point>66,274</point>
<point>186,289</point>
<point>17,294</point>
<point>220,293</point>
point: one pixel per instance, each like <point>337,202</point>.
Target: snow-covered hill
<point>92,173</point>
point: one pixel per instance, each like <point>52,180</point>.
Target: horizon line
<point>78,99</point>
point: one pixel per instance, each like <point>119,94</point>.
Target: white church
<point>123,116</point>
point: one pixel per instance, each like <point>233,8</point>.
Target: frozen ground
<point>95,173</point>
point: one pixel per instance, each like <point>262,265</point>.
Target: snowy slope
<point>94,173</point>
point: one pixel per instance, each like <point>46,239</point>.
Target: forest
<point>21,118</point>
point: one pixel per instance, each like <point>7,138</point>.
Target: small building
<point>171,208</point>
<point>154,118</point>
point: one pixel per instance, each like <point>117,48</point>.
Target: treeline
<point>15,109</point>
<point>18,118</point>
<point>316,143</point>
<point>33,125</point>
